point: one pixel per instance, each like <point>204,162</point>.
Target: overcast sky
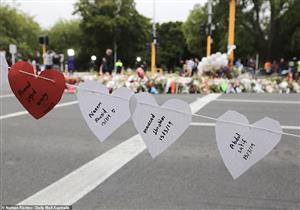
<point>47,12</point>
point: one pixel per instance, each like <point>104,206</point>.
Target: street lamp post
<point>231,30</point>
<point>71,54</point>
<point>209,40</point>
<point>153,44</point>
<point>119,4</point>
<point>93,59</point>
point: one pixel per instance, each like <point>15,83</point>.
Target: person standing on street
<point>109,61</point>
<point>298,70</point>
<point>48,56</point>
<point>119,66</point>
<point>282,66</point>
<point>103,67</point>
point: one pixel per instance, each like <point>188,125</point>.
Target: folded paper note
<point>242,145</point>
<point>103,113</point>
<point>160,126</point>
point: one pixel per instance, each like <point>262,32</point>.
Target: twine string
<point>37,76</point>
<point>246,125</point>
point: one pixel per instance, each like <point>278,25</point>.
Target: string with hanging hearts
<point>241,144</point>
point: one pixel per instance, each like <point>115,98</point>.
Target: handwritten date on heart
<point>161,128</point>
<point>31,96</point>
<point>101,115</point>
<point>242,146</point>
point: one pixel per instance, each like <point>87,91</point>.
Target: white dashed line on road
<point>16,114</point>
<point>204,124</point>
<point>257,101</point>
<point>7,96</point>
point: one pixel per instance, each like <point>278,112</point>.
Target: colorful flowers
<point>173,83</point>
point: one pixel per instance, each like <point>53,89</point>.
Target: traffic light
<point>203,28</point>
<point>44,40</point>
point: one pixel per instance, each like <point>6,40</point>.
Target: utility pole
<point>153,44</point>
<point>115,53</point>
<point>44,48</point>
<point>117,14</point>
<point>209,40</point>
<point>231,30</point>
<point>43,40</point>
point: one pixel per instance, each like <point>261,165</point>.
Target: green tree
<point>195,38</point>
<point>243,40</point>
<point>65,34</point>
<point>107,21</point>
<point>19,29</point>
<point>171,44</point>
<point>267,27</point>
<point>274,24</point>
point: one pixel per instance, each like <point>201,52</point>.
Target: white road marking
<point>7,96</point>
<point>201,102</point>
<point>78,183</point>
<point>204,124</point>
<point>289,127</point>
<point>257,101</point>
<point>16,114</point>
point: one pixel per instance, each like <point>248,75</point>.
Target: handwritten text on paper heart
<point>32,96</point>
<point>37,93</point>
<point>160,126</point>
<point>242,146</point>
<point>103,113</point>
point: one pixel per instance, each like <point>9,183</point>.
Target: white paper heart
<point>3,69</point>
<point>242,146</point>
<point>102,112</point>
<point>160,126</point>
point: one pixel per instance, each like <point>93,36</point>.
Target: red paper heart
<point>37,95</point>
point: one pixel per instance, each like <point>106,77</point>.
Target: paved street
<point>189,175</point>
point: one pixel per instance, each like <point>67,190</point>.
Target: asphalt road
<point>189,175</point>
